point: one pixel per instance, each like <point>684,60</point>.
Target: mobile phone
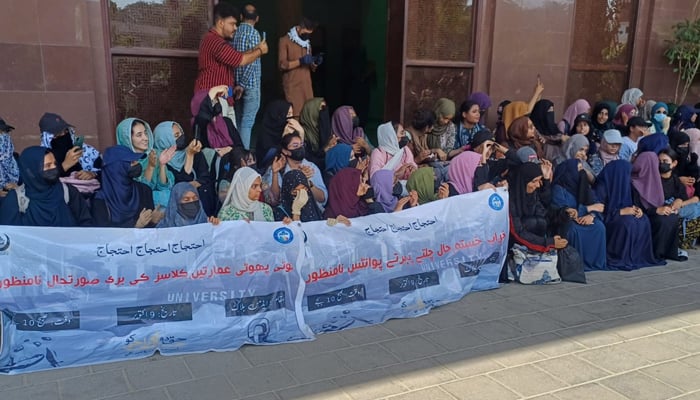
<point>79,140</point>
<point>264,36</point>
<point>230,91</point>
<point>197,134</point>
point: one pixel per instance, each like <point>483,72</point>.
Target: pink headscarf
<point>341,125</point>
<point>647,179</point>
<point>217,130</point>
<point>462,169</point>
<point>580,106</point>
<point>626,109</point>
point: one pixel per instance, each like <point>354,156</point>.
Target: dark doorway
<point>352,34</point>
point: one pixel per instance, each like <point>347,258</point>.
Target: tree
<point>684,54</point>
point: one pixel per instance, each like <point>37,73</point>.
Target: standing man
<point>296,63</point>
<point>217,59</point>
<point>247,87</point>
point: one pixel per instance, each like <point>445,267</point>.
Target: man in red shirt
<point>217,58</point>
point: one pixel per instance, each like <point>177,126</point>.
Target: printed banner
<point>401,265</point>
<point>82,296</point>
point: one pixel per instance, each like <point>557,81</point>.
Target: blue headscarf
<point>682,118</point>
<point>655,143</point>
<point>120,193</point>
<point>165,139</point>
<point>614,187</point>
<point>568,176</point>
<point>47,204</point>
<point>658,126</point>
<point>338,157</point>
<point>172,215</point>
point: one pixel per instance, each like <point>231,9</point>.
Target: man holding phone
<point>296,61</point>
<point>247,90</point>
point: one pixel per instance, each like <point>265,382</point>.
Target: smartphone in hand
<point>79,140</point>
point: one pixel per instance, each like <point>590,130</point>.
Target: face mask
<point>369,195</point>
<point>250,16</point>
<point>682,152</point>
<point>664,167</point>
<point>304,36</point>
<point>659,117</point>
<point>297,154</point>
<point>50,175</point>
<point>188,210</point>
<point>355,121</point>
<point>180,143</point>
<point>397,190</point>
<point>134,171</point>
<point>403,142</point>
<point>60,146</point>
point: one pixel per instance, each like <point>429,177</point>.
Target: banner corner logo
<point>496,202</point>
<point>283,235</point>
<point>4,243</point>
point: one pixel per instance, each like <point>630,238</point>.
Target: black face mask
<point>682,152</point>
<point>251,16</point>
<point>188,210</point>
<point>355,121</point>
<point>60,146</point>
<point>397,190</point>
<point>134,171</point>
<point>664,168</point>
<point>297,154</point>
<point>369,195</point>
<point>304,36</point>
<point>180,143</point>
<point>50,175</point>
<point>403,142</point>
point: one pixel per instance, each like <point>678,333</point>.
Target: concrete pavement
<point>624,335</point>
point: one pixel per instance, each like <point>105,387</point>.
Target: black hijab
<point>270,134</point>
<point>543,119</point>
<point>292,179</point>
<point>522,202</point>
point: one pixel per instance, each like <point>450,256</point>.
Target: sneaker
<point>682,255</point>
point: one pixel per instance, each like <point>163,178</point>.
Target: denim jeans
<point>246,109</point>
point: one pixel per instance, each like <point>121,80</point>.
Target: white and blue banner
<point>81,296</point>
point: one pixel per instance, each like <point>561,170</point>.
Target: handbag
<point>533,268</point>
<point>570,265</point>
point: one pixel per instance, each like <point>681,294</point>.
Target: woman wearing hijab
<point>542,117</point>
<point>9,171</point>
<point>654,143</point>
<point>512,111</point>
<point>584,228</point>
<point>462,171</point>
<point>296,200</point>
<point>388,190</point>
<point>345,124</point>
<point>522,133</point>
<point>646,110</point>
<point>528,215</point>
<point>211,120</point>
<point>316,122</point>
<point>623,114</point>
<point>42,200</point>
<point>136,134</point>
<point>337,158</point>
<point>567,124</point>
<point>659,118</point>
<point>349,195</point>
<point>56,134</point>
<point>243,198</point>
<point>423,181</point>
<point>169,138</point>
<point>392,153</point>
<point>577,148</point>
<point>123,202</point>
<point>601,119</point>
<point>676,196</point>
<point>270,130</point>
<point>628,230</point>
<point>633,96</point>
<point>648,194</point>
<point>608,150</point>
<point>443,134</point>
<point>184,208</point>
<point>684,118</point>
<point>484,102</point>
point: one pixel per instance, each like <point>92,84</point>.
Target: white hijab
<point>237,196</point>
<point>386,136</point>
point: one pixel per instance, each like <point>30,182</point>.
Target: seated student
<point>577,148</point>
<point>528,213</point>
<point>9,171</point>
<point>568,123</point>
<point>443,134</point>
<point>484,102</point>
<point>169,143</point>
<point>495,162</point>
<point>276,120</point>
<point>422,124</point>
<point>345,124</point>
<point>623,115</point>
<point>584,228</point>
<point>296,200</point>
<point>608,150</point>
<point>211,121</point>
<point>339,156</point>
<point>292,156</point>
<point>676,196</point>
<point>461,173</point>
<point>684,118</point>
<point>59,136</point>
<point>637,128</point>
<point>500,130</point>
<point>392,153</point>
<point>654,143</point>
<point>423,182</point>
<point>388,190</point>
<point>136,134</point>
<point>468,124</point>
<point>242,201</point>
<point>687,168</point>
<point>582,125</point>
<point>648,194</point>
<point>601,120</point>
<point>185,208</point>
<point>42,200</point>
<point>316,121</point>
<point>660,119</point>
<point>123,202</point>
<point>627,228</point>
<point>349,195</point>
<point>522,133</point>
<point>543,118</point>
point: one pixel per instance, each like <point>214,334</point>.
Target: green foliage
<point>684,54</point>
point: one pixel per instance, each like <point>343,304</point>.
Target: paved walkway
<point>633,335</point>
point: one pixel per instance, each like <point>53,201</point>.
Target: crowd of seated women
<point>618,183</point>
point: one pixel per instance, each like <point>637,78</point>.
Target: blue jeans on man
<point>246,110</point>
